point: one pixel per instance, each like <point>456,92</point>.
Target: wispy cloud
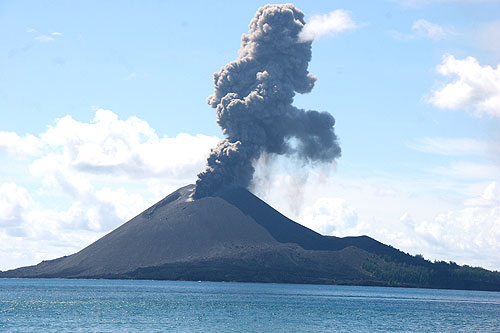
<point>475,157</point>
<point>427,29</point>
<point>466,170</point>
<point>332,23</point>
<point>423,3</point>
<point>453,146</point>
<point>135,75</point>
<point>424,29</point>
<point>44,37</point>
<point>473,87</point>
<point>485,36</point>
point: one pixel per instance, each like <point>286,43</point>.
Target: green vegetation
<point>440,274</point>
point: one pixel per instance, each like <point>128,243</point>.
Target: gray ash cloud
<point>253,98</point>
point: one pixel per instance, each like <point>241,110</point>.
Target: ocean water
<point>61,305</point>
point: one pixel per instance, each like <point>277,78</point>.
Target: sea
<point>69,305</point>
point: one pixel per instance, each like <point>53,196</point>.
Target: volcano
<point>235,236</point>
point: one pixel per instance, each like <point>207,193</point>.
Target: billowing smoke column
<point>253,98</point>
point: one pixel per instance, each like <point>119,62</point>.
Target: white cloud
<point>14,144</point>
<point>330,216</point>
<point>468,234</point>
<point>111,146</point>
<point>40,234</point>
<point>92,176</point>
<point>55,33</point>
<point>424,28</point>
<point>14,201</point>
<point>327,24</point>
<point>474,87</point>
<point>492,193</point>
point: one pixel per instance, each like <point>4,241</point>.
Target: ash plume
<point>253,98</point>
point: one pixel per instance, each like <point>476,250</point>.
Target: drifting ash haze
<point>253,98</point>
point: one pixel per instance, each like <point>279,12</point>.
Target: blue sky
<point>91,93</point>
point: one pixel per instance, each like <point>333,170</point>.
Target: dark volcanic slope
<point>177,229</point>
<point>238,237</point>
<point>174,229</point>
<point>285,230</point>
